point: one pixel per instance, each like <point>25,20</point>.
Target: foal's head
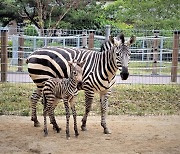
<point>76,71</point>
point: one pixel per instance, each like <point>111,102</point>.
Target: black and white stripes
<point>65,89</point>
<point>99,70</point>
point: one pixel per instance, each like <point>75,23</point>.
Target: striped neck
<point>72,83</point>
<point>110,66</point>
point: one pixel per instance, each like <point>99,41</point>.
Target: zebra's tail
<point>27,60</point>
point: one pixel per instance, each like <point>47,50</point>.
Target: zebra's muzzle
<point>79,85</point>
<point>124,73</point>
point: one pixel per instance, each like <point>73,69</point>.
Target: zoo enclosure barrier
<point>154,55</point>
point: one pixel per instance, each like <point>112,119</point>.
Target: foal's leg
<point>74,116</point>
<point>67,118</point>
<point>51,107</point>
<point>34,99</point>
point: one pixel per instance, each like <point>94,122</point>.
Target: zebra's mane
<point>107,45</point>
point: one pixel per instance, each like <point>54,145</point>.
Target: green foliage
<point>151,14</point>
<point>121,14</point>
<point>30,30</point>
<point>10,43</point>
<point>8,11</point>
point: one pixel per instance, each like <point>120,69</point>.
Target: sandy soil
<point>130,134</point>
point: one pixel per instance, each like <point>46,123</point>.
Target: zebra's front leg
<point>104,106</point>
<point>66,105</point>
<point>73,108</point>
<point>88,102</point>
<point>34,99</point>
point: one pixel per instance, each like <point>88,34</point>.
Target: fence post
<point>64,42</point>
<point>84,39</point>
<point>78,41</point>
<point>4,55</point>
<point>155,52</point>
<point>15,44</point>
<point>91,40</point>
<point>20,54</point>
<point>175,57</point>
<point>142,58</point>
<point>34,43</point>
<point>108,31</point>
<point>45,41</point>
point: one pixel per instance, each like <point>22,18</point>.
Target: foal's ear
<point>81,63</point>
<point>111,39</point>
<point>131,41</point>
<point>70,63</point>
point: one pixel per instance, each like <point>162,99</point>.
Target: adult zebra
<point>99,71</point>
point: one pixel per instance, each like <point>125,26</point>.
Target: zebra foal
<point>65,89</point>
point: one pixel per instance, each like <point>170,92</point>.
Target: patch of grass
<point>145,99</point>
<point>14,98</point>
<point>124,99</point>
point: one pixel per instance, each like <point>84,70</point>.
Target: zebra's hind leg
<point>74,116</point>
<point>104,106</point>
<point>45,123</point>
<point>34,99</point>
<point>88,102</point>
<point>53,120</point>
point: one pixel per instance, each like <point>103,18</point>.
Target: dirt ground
<point>130,134</point>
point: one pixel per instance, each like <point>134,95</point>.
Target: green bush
<point>30,30</point>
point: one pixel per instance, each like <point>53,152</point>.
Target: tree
<point>8,12</point>
<point>48,14</point>
<point>146,14</point>
<point>51,14</point>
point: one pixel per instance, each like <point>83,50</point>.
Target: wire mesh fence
<point>155,60</point>
<point>151,55</point>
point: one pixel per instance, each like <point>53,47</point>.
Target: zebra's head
<point>76,71</point>
<point>122,54</point>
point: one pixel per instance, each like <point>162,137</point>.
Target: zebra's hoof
<point>76,134</point>
<point>68,137</point>
<point>45,134</point>
<point>83,128</point>
<point>106,131</point>
<point>58,130</point>
<point>37,124</point>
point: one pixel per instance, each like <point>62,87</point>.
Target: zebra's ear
<point>131,41</point>
<point>121,38</point>
<point>114,41</point>
<point>81,64</point>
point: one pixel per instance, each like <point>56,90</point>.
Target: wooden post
<point>91,40</point>
<point>4,55</point>
<point>175,56</point>
<point>20,54</point>
<point>155,53</point>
